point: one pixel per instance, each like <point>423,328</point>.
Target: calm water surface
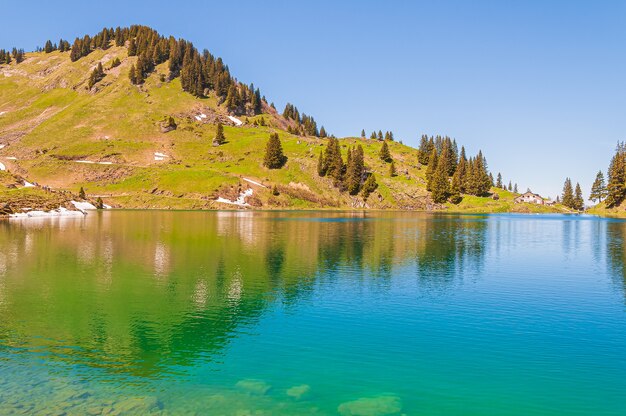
<point>312,313</point>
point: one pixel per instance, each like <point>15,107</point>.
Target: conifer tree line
<point>200,73</point>
<point>572,198</point>
<point>7,57</point>
<point>379,136</point>
<point>499,183</point>
<point>616,187</point>
<point>62,46</point>
<point>351,176</point>
<point>305,125</point>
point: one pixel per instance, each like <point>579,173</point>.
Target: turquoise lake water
<point>313,313</point>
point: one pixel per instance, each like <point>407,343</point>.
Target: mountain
<point>132,117</point>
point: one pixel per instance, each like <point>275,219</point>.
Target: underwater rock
<point>299,392</point>
<point>138,405</point>
<point>258,387</point>
<point>371,406</point>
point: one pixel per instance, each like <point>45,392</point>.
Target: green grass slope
<point>50,121</point>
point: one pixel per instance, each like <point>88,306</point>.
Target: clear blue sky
<point>539,86</point>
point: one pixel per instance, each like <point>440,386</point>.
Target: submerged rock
<point>299,392</point>
<point>138,405</point>
<point>371,406</point>
<point>254,386</point>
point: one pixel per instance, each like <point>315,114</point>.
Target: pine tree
<point>579,202</point>
<point>616,188</point>
<point>333,163</point>
<point>515,189</point>
<point>323,132</point>
<point>423,152</point>
<point>220,139</point>
<point>380,135</point>
<point>132,74</point>
<point>99,203</point>
<point>440,187</point>
<point>274,157</point>
<point>48,48</point>
<point>132,47</point>
<point>369,186</point>
<point>598,189</point>
<point>354,170</point>
<point>392,169</point>
<point>373,135</point>
<point>499,181</point>
<point>363,133</point>
<point>510,187</point>
<point>384,154</point>
<point>81,193</point>
<point>568,194</point>
<point>455,188</point>
<point>321,170</point>
<point>432,166</point>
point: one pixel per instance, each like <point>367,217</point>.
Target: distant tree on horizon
<point>579,201</point>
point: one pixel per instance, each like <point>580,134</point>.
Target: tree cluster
<point>85,45</point>
<point>62,46</point>
<point>450,174</point>
<point>379,136</point>
<point>7,57</point>
<point>200,73</point>
<point>571,198</point>
<point>305,125</point>
<point>351,176</point>
<point>96,75</point>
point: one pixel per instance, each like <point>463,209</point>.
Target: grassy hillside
<point>58,133</point>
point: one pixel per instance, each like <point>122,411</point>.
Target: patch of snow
<point>254,182</point>
<point>105,163</point>
<point>2,167</point>
<point>83,205</point>
<point>160,154</point>
<point>202,115</point>
<point>158,158</point>
<point>235,120</point>
<point>61,212</point>
<point>240,201</point>
<point>198,118</point>
<point>28,185</point>
<point>2,146</point>
<point>84,161</point>
<point>106,206</point>
<point>2,113</point>
<point>11,158</point>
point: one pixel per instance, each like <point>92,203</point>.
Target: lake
<point>313,313</point>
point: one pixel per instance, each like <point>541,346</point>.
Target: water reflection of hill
<point>141,291</point>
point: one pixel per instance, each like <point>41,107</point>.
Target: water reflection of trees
<point>616,252</point>
<point>137,292</point>
<point>450,247</point>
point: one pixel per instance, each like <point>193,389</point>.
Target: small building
<point>529,198</point>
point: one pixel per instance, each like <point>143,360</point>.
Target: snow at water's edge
<point>61,212</point>
<point>240,201</point>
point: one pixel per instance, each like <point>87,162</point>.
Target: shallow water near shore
<point>312,313</point>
